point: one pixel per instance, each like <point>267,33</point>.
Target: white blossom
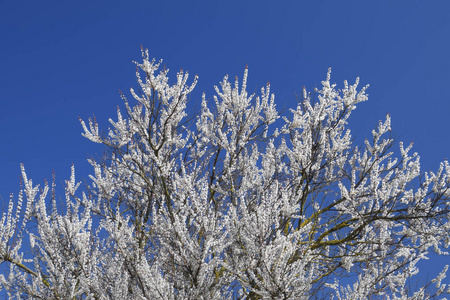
<point>231,203</point>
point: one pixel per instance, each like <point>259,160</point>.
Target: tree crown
<point>234,202</point>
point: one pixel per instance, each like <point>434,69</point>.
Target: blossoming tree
<point>234,202</point>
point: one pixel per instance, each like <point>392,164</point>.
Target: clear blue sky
<point>61,60</point>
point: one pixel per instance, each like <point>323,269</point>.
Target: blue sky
<point>61,60</point>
